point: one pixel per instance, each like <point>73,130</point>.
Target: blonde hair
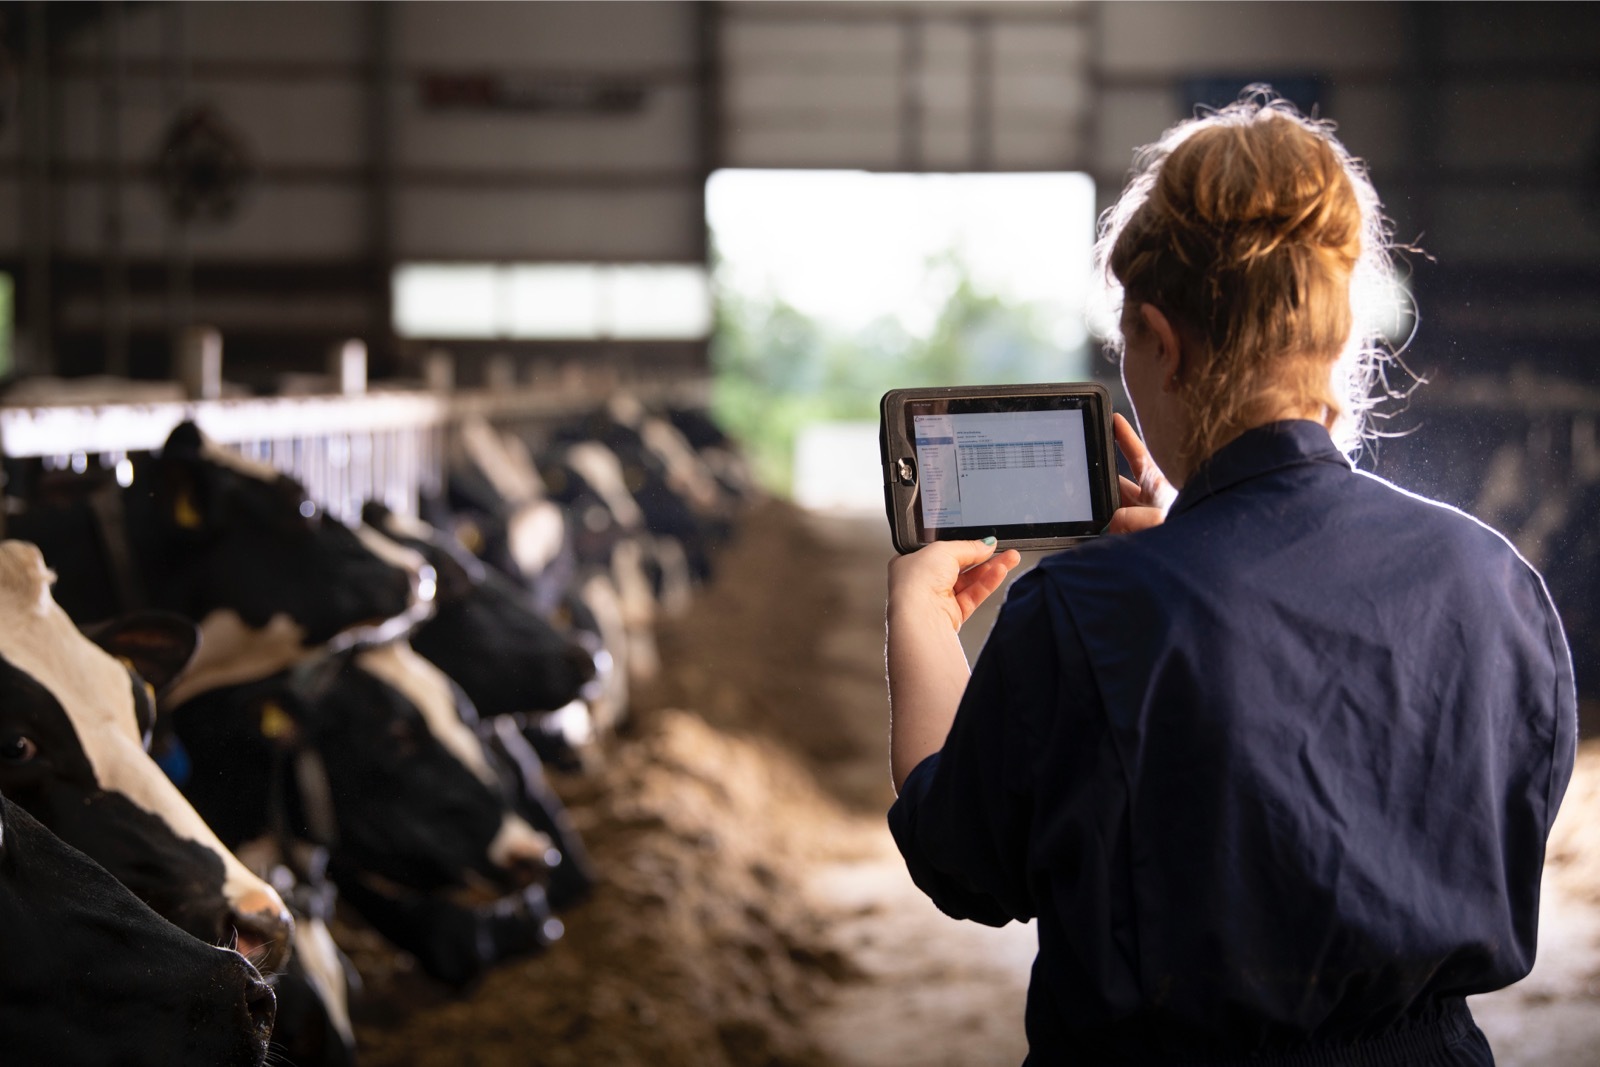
<point>1252,229</point>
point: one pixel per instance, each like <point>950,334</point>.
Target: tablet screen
<point>1003,468</point>
<point>1016,467</point>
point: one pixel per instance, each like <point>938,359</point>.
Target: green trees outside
<point>778,369</point>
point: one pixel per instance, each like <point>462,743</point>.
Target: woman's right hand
<point>948,578</point>
<point>1146,497</point>
<point>932,591</point>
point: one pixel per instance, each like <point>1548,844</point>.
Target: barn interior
<point>370,243</point>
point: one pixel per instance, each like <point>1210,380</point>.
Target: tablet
<point>1030,465</point>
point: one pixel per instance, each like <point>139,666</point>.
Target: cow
<point>562,550</point>
<point>677,493</point>
<point>91,976</point>
<point>74,722</point>
<point>720,453</point>
<point>373,753</point>
<point>495,506</point>
<point>313,1028</point>
<point>234,546</point>
<point>507,658</point>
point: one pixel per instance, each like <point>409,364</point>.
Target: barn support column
<point>912,60</point>
<point>35,352</point>
<point>180,262</point>
<point>380,127</point>
<point>114,322</point>
<point>981,32</point>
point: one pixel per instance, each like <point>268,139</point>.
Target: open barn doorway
<point>835,286</point>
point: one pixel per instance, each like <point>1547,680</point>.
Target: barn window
<point>552,301</point>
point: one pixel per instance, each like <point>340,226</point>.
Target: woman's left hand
<point>1145,499</point>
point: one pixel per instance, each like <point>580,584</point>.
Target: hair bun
<point>1220,183</point>
<point>1250,228</point>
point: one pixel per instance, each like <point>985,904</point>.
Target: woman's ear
<point>1168,348</point>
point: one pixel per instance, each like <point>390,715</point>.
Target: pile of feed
<point>698,947</point>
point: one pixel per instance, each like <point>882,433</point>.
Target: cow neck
<point>301,765</point>
<point>109,513</point>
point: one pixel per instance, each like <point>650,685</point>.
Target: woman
<point>1272,769</point>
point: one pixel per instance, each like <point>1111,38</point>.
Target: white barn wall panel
<point>622,37</point>
<point>564,225</point>
<point>904,87</point>
<point>300,31</point>
<point>658,138</point>
<point>1169,38</point>
<point>279,222</point>
<point>1479,120</point>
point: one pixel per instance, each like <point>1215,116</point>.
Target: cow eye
<point>18,749</point>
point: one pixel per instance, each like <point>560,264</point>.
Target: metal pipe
<point>911,102</point>
<point>381,181</point>
<point>35,354</point>
<point>981,32</point>
<point>180,265</point>
<point>112,72</point>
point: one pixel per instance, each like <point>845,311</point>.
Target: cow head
<point>484,635</point>
<point>240,548</point>
<point>368,753</point>
<point>416,798</point>
<point>73,726</point>
<point>90,975</point>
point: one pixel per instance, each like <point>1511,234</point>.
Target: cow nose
<point>579,662</point>
<point>262,1007</point>
<point>531,870</point>
<point>264,927</point>
<point>523,853</point>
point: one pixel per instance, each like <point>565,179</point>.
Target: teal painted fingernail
<point>989,540</point>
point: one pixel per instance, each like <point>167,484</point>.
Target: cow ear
<point>184,442</point>
<point>157,644</point>
<point>182,495</point>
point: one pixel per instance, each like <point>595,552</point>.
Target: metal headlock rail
<point>384,445</point>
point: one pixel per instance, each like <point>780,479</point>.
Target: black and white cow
<point>90,976</point>
<point>677,493</point>
<point>374,755</point>
<point>487,638</point>
<point>720,452</point>
<point>495,506</point>
<point>74,723</point>
<point>234,546</point>
<point>567,549</point>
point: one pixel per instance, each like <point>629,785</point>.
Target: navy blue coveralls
<point>1274,778</point>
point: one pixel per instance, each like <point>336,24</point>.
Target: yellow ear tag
<point>275,722</point>
<point>470,537</point>
<point>184,513</point>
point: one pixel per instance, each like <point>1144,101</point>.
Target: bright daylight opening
<point>552,301</point>
<point>835,286</point>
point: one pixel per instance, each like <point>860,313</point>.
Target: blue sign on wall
<point>1308,92</point>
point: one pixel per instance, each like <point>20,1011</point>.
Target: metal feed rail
<point>383,445</point>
